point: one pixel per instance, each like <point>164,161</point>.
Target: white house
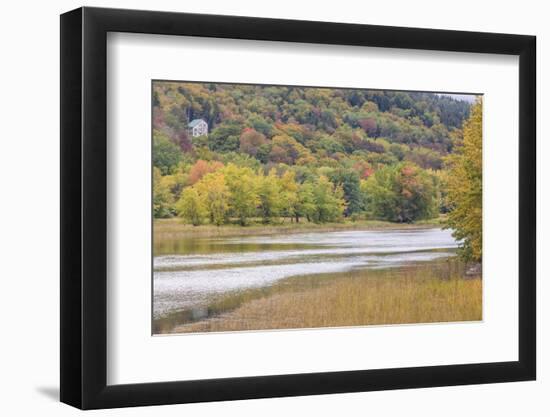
<point>198,127</point>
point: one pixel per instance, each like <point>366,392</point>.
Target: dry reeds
<point>366,297</point>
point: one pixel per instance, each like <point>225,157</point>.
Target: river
<point>201,270</point>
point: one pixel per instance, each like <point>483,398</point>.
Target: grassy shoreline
<point>373,302</point>
<point>175,228</point>
<point>422,293</point>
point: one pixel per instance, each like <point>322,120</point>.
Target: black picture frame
<point>84,207</point>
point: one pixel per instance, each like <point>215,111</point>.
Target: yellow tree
<point>464,194</point>
<point>289,194</point>
<point>243,195</point>
<point>190,206</point>
<point>215,194</point>
<point>269,193</point>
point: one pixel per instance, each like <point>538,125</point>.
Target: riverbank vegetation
<point>175,228</point>
<point>424,293</point>
<point>314,155</point>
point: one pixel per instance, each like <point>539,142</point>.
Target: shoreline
<point>362,298</point>
<point>175,229</point>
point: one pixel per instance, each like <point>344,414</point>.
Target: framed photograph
<point>257,208</point>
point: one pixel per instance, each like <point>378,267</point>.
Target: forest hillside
<point>322,154</point>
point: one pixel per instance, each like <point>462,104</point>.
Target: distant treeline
<point>216,193</point>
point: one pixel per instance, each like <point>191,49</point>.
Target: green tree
<point>162,198</point>
<point>269,193</point>
<point>263,153</point>
<point>349,180</point>
<point>289,194</point>
<point>190,206</point>
<point>225,137</point>
<point>166,155</point>
<point>260,124</point>
<point>243,194</point>
<point>398,150</point>
<point>380,198</point>
<point>465,187</point>
<point>305,205</point>
<point>401,193</point>
<point>419,194</point>
<point>329,201</point>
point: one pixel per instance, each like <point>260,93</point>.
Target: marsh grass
<point>428,293</point>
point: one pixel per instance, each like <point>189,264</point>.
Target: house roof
<point>195,122</point>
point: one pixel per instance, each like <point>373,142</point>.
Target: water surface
<point>201,272</point>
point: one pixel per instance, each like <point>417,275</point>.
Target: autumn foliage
<point>275,153</point>
<point>465,182</point>
<point>201,168</point>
